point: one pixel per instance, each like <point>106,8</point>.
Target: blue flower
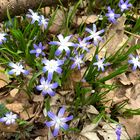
<point>38,50</point>
<point>94,35</point>
<point>63,44</point>
<point>77,61</point>
<point>46,87</point>
<point>124,5</point>
<point>2,38</point>
<point>43,22</point>
<point>17,69</point>
<point>52,66</point>
<point>100,63</point>
<point>118,131</point>
<point>134,61</point>
<point>83,44</point>
<point>111,15</point>
<point>58,121</point>
<point>33,15</point>
<point>9,118</point>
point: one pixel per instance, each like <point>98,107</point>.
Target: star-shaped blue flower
<point>33,15</point>
<point>46,87</point>
<point>77,61</point>
<point>52,66</point>
<point>2,38</point>
<point>17,69</point>
<point>58,121</point>
<point>111,15</point>
<point>63,44</point>
<point>82,43</point>
<point>94,35</point>
<point>9,118</point>
<point>124,5</point>
<point>100,63</point>
<point>134,61</point>
<point>43,21</point>
<point>38,50</point>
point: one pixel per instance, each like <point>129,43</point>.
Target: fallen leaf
<point>134,77</point>
<point>116,37</point>
<point>132,123</point>
<point>57,22</point>
<point>25,115</point>
<point>85,19</point>
<point>9,129</point>
<point>15,107</point>
<point>108,132</point>
<point>13,92</point>
<point>124,79</point>
<point>4,80</point>
<point>91,109</point>
<point>38,98</point>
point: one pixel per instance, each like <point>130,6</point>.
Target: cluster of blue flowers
<point>40,19</point>
<point>111,12</point>
<point>74,51</point>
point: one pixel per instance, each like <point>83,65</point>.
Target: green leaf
<point>3,110</point>
<point>115,73</point>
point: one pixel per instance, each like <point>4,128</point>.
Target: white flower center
<point>46,87</point>
<point>123,6</point>
<point>100,63</point>
<point>35,16</point>
<point>9,117</point>
<point>43,21</point>
<point>78,61</point>
<point>135,61</point>
<point>112,15</point>
<point>1,37</point>
<point>58,121</point>
<point>52,65</point>
<point>38,50</point>
<point>83,44</point>
<point>19,68</point>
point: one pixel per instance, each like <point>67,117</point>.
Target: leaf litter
<point>129,91</point>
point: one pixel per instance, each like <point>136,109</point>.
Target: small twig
<point>135,35</point>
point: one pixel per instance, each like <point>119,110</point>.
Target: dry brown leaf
<point>38,98</point>
<point>46,10</point>
<point>25,115</point>
<point>85,19</point>
<point>116,36</point>
<point>91,109</point>
<point>124,79</point>
<point>11,128</point>
<point>15,107</point>
<point>134,77</point>
<point>4,80</point>
<point>91,136</point>
<point>57,22</point>
<point>13,92</point>
<point>108,132</point>
<point>132,124</point>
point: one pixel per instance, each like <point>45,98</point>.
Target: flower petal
<point>54,85</point>
<point>56,130</point>
<point>61,112</point>
<point>64,126</point>
<point>50,123</point>
<point>40,87</point>
<point>52,115</point>
<point>67,118</point>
